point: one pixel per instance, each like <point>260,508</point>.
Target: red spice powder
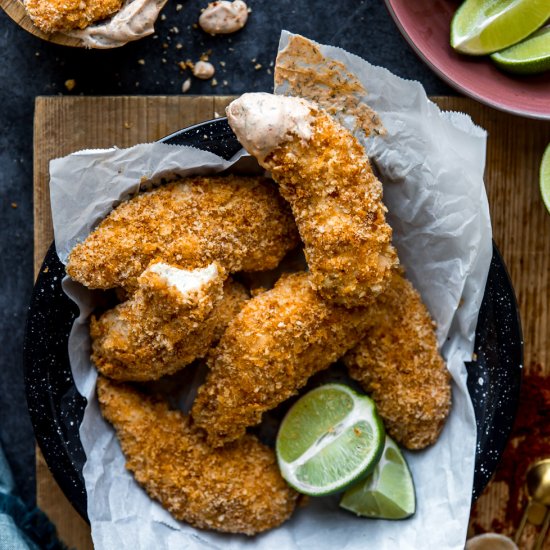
<point>529,442</point>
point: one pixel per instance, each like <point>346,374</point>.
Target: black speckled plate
<point>56,407</point>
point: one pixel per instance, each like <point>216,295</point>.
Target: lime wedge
<point>545,178</point>
<point>486,26</point>
<point>330,438</point>
<point>528,57</point>
<point>388,493</point>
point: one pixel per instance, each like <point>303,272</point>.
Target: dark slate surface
<point>31,67</point>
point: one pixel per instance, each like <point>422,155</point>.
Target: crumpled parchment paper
<point>432,167</point>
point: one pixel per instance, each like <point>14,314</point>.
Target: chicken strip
<point>398,363</point>
<point>172,319</point>
<point>236,489</point>
<point>240,222</point>
<point>65,15</point>
<point>324,174</point>
<point>279,339</point>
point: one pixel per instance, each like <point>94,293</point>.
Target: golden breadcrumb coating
<point>160,330</point>
<point>234,297</point>
<point>66,15</point>
<point>337,203</point>
<point>235,489</point>
<point>398,363</point>
<point>279,339</point>
<point>240,222</point>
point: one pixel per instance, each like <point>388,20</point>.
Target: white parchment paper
<point>432,166</point>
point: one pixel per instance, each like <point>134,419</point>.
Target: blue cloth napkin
<point>22,528</point>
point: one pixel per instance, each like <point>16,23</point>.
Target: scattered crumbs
<point>37,54</point>
<point>225,83</point>
<point>271,64</point>
<point>474,356</point>
<point>164,60</point>
<point>231,49</point>
<point>162,17</point>
<point>127,125</point>
<point>45,270</point>
<point>214,82</point>
<point>137,84</point>
<point>174,30</point>
<point>187,64</point>
<point>141,61</point>
<point>179,46</point>
<point>249,10</point>
<point>70,84</point>
<point>222,63</point>
<point>253,60</point>
<point>165,45</point>
<point>268,71</point>
<point>206,55</point>
<point>258,66</point>
<point>179,7</point>
<point>195,26</point>
<point>186,86</point>
<point>14,205</point>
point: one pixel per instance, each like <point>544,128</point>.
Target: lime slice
<point>388,493</point>
<point>528,57</point>
<point>545,178</point>
<point>330,438</point>
<point>486,26</point>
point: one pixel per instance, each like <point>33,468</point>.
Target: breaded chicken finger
<point>65,15</point>
<point>398,363</point>
<point>324,174</point>
<point>172,319</point>
<point>278,340</point>
<point>237,489</point>
<point>239,222</point>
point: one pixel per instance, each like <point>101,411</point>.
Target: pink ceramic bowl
<point>425,25</point>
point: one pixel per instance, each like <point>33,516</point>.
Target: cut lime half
<point>330,438</point>
<point>528,57</point>
<point>485,26</point>
<point>545,178</point>
<point>388,493</point>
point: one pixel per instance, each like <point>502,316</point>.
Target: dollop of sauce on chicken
<point>263,121</point>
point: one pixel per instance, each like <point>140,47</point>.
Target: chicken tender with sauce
<point>336,199</point>
<point>239,222</point>
<point>172,319</point>
<point>236,489</point>
<point>66,15</point>
<point>399,365</point>
<point>279,339</point>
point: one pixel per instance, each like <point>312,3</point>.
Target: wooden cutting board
<point>521,224</point>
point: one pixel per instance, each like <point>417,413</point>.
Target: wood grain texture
<point>521,225</point>
<point>16,11</point>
